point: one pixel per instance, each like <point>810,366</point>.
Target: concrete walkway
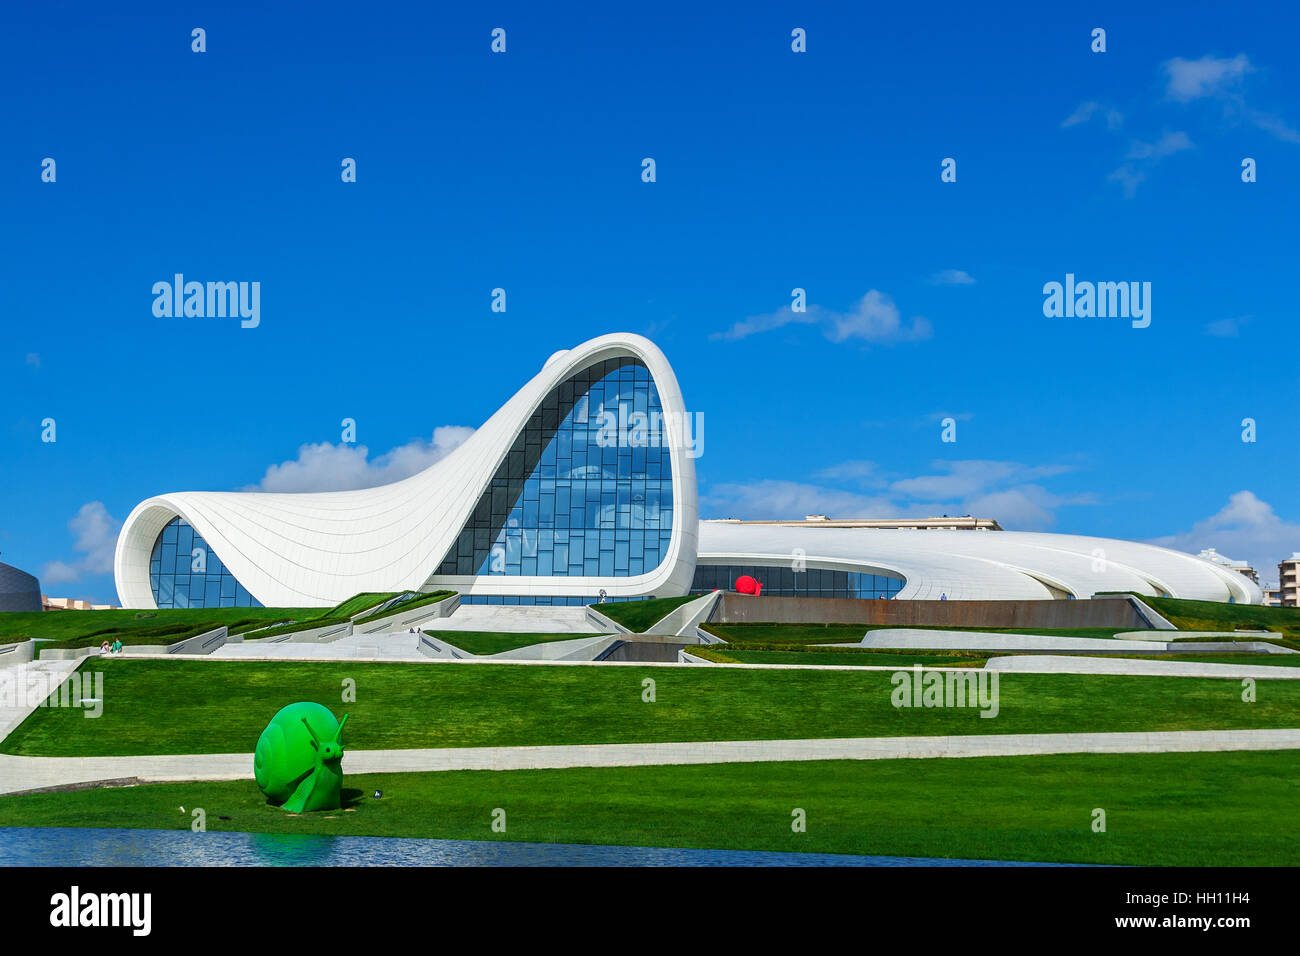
<point>380,646</point>
<point>25,685</point>
<point>1185,635</point>
<point>26,773</point>
<point>1134,667</point>
<point>523,618</point>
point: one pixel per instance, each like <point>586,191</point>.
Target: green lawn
<point>637,616</point>
<point>839,657</point>
<point>772,636</point>
<point>74,629</point>
<point>1217,616</point>
<point>221,706</point>
<point>494,642</point>
<point>1196,809</point>
<point>905,657</point>
<point>343,613</point>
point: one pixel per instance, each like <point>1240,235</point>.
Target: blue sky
<point>775,170</point>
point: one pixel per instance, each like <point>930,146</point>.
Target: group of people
<point>107,648</point>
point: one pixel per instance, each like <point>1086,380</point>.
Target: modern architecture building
<point>582,487</point>
<point>19,591</point>
<point>934,564</point>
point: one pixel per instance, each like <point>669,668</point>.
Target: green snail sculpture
<point>298,761</point>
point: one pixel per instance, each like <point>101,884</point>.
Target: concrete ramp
<point>536,619</point>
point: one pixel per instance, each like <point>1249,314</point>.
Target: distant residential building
<point>72,604</point>
<point>1241,567</point>
<point>1272,595</point>
<point>1288,580</point>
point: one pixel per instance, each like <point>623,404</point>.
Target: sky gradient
<point>775,170</point>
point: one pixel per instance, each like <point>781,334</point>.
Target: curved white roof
<point>314,550</point>
<point>981,565</point>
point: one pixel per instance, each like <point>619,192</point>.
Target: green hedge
<point>159,634</point>
<point>360,602</point>
<point>637,616</point>
<point>431,598</point>
<point>1219,616</point>
<point>293,627</point>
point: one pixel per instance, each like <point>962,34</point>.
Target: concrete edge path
<point>1134,667</point>
<point>28,773</point>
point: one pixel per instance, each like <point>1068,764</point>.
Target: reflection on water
<point>35,846</point>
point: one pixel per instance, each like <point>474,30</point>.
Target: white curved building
<point>957,565</point>
<point>583,483</point>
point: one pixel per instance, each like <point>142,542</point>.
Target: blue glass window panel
<point>173,584</point>
<point>813,582</point>
<point>563,472</point>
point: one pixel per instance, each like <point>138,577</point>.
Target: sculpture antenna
<point>315,741</point>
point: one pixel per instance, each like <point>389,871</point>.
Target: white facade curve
<point>979,565</point>
<point>316,549</point>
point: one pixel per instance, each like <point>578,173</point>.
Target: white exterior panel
<point>314,550</point>
<point>981,565</point>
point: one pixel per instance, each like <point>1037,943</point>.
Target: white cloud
<point>58,572</point>
<point>1007,491</point>
<point>1274,125</point>
<point>1246,528</point>
<point>1143,156</point>
<point>1209,76</point>
<point>1222,80</point>
<point>344,467</point>
<point>1226,328</point>
<point>1023,508</point>
<point>1129,179</point>
<point>1167,145</point>
<point>766,323</point>
<point>1086,111</point>
<point>960,480</point>
<point>95,536</point>
<point>861,472</point>
<point>771,499</point>
<point>952,277</point>
<point>874,319</point>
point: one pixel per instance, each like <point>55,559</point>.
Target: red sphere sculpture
<point>747,585</point>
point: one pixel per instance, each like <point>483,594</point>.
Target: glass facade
<point>185,572</point>
<point>584,491</point>
<point>786,582</point>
